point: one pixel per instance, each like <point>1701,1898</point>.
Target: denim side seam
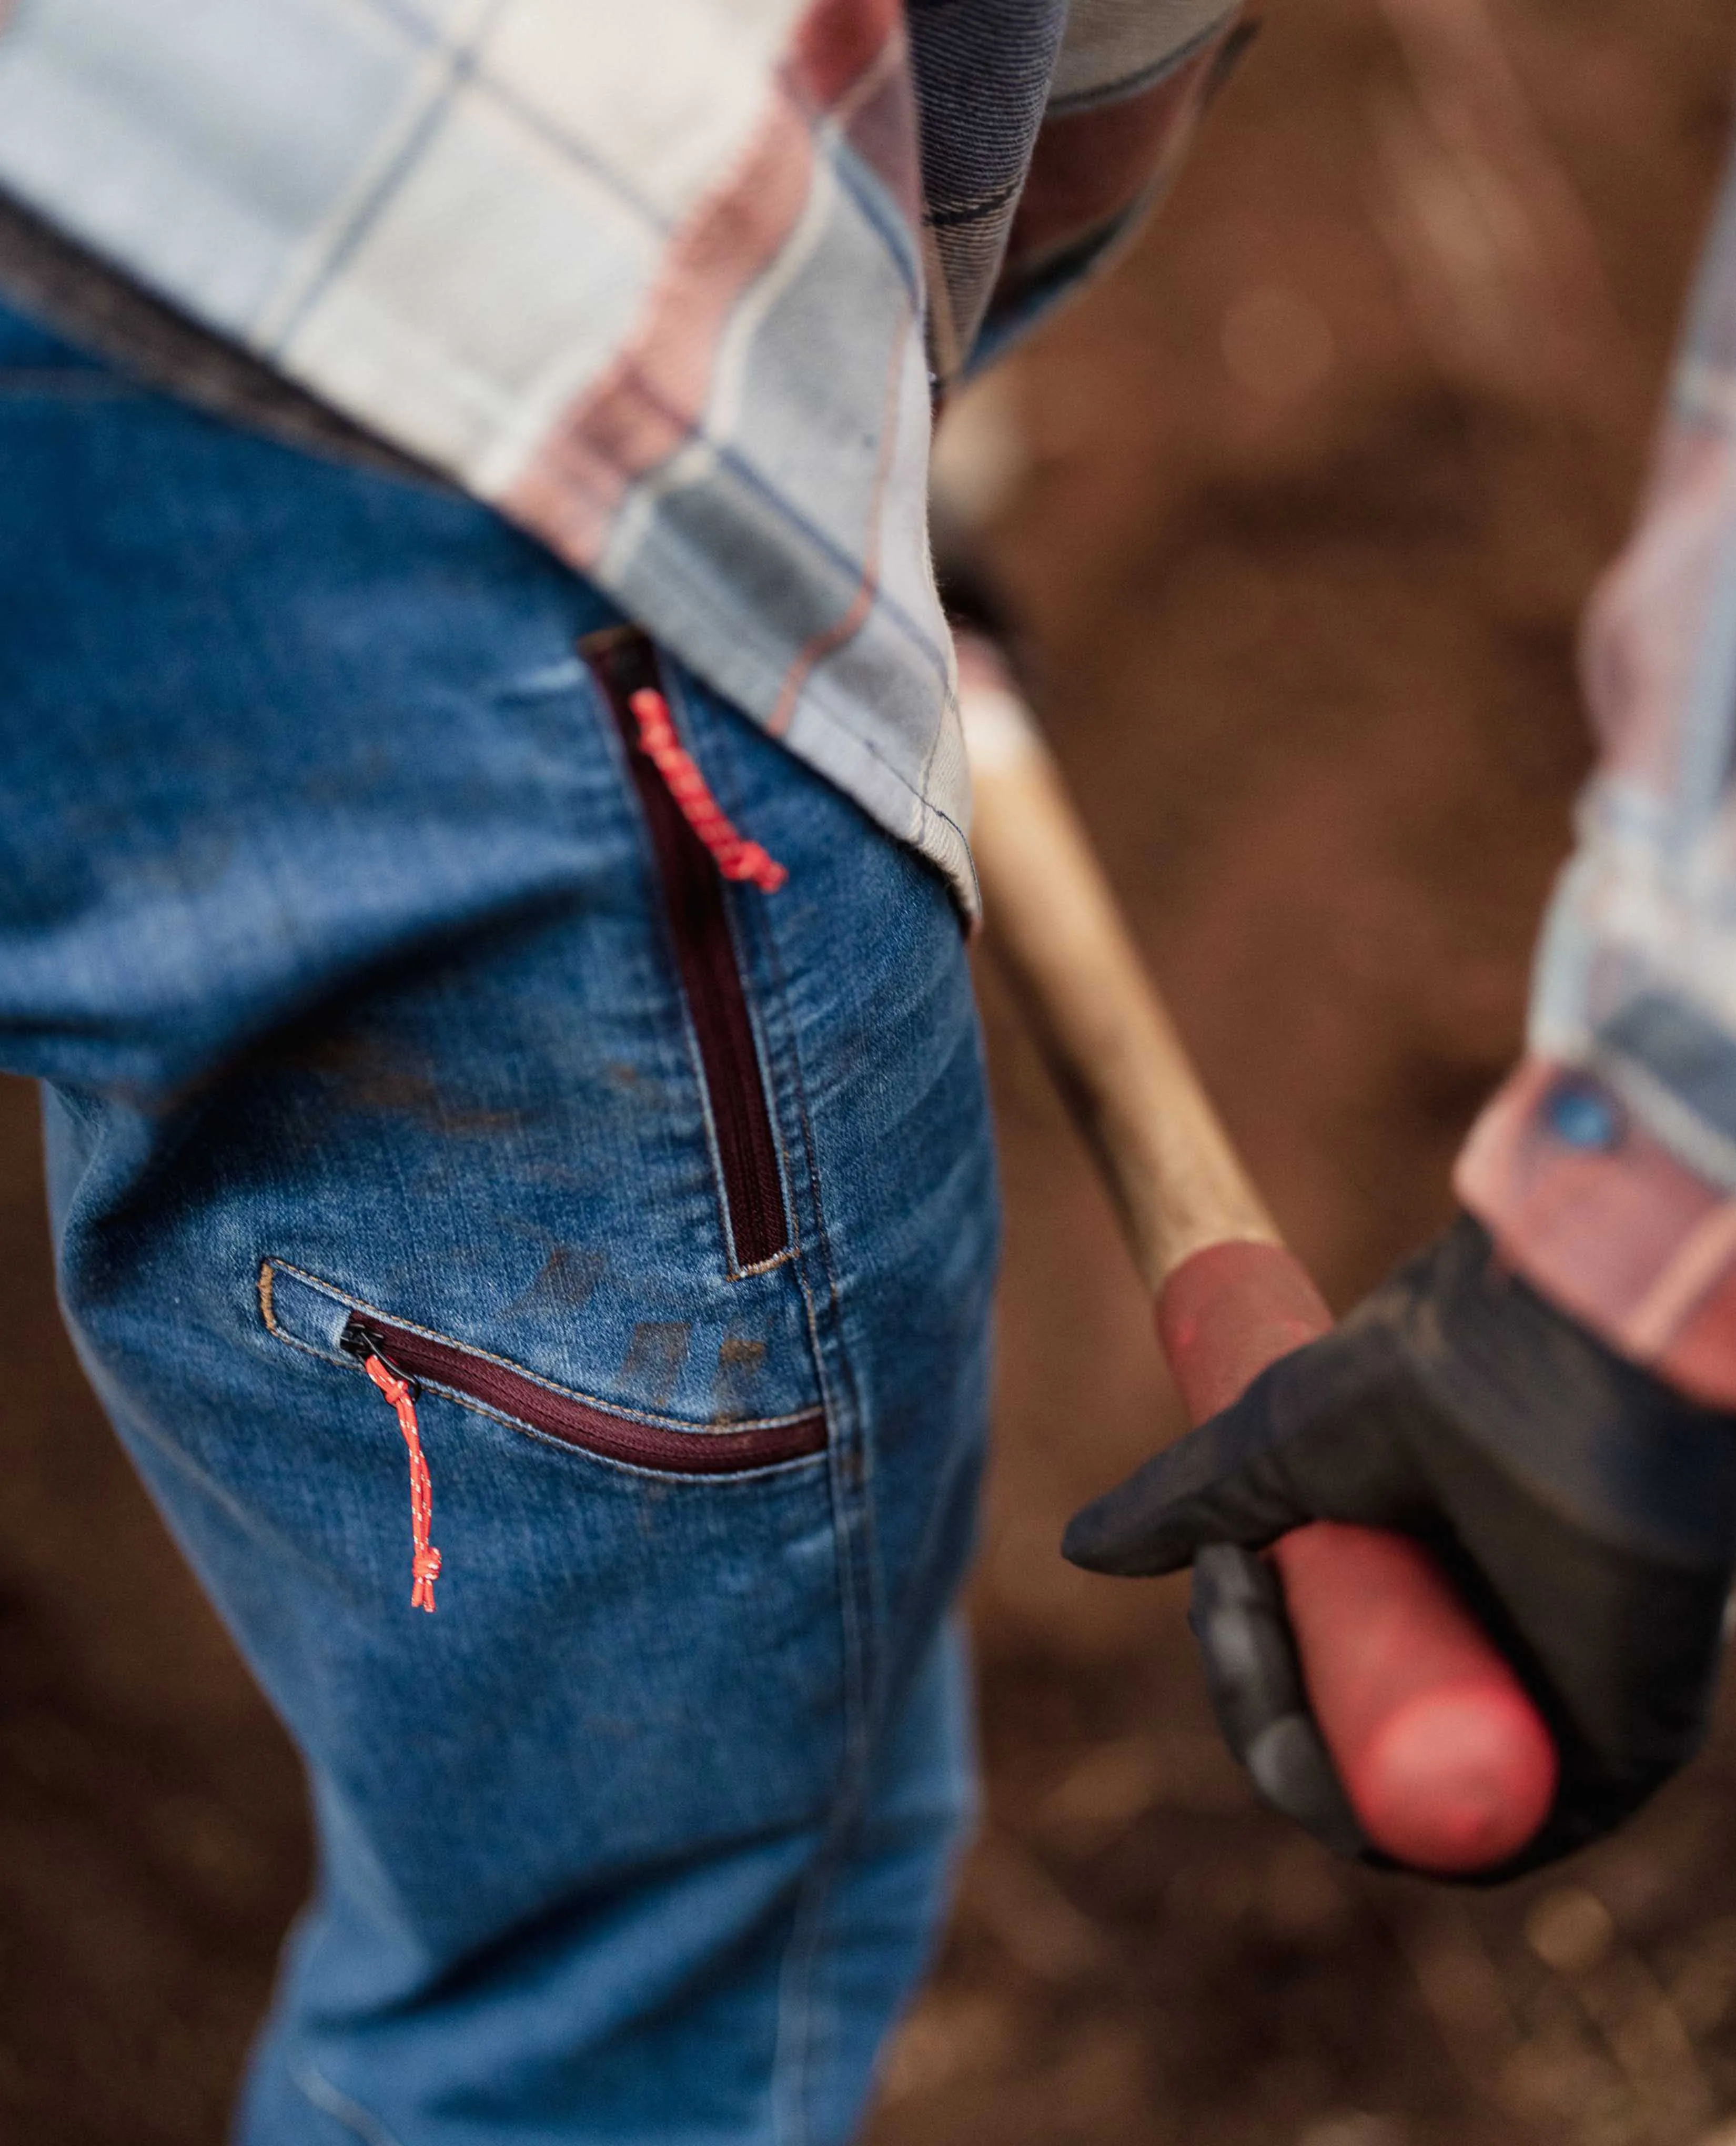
<point>796,2037</point>
<point>851,1470</point>
<point>793,2062</point>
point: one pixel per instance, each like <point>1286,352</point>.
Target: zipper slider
<point>356,1342</point>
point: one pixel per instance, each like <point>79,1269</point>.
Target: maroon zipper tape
<point>623,661</point>
<point>581,1423</point>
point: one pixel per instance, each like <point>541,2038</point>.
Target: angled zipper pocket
<point>312,1314</point>
<point>625,665</point>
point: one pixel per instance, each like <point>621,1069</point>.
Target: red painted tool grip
<point>1445,1760</point>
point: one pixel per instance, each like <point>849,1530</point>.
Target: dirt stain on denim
<point>372,1075</point>
<point>655,1356</point>
<point>741,1362</point>
<point>565,1281</point>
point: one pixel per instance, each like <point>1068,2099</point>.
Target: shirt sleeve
<point>1131,81</point>
<point>1605,1168</point>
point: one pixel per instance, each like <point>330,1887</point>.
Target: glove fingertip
<point>1121,1535</point>
<point>1100,1538</point>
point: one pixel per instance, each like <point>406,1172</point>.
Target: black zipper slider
<point>357,1342</point>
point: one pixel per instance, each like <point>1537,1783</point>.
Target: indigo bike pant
<point>469,1198</point>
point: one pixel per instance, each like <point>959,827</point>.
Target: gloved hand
<point>1585,1510</point>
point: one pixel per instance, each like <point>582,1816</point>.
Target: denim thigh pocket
<point>314,1315</point>
<point>639,1648</point>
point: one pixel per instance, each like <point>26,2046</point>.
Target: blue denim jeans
<point>382,1009</point>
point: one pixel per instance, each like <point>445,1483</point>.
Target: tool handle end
<point>1445,1760</point>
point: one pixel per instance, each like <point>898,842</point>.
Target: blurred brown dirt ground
<point>1300,504</point>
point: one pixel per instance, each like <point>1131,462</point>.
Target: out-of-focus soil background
<point>1300,506</point>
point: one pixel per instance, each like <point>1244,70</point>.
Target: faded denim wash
<point>330,920</point>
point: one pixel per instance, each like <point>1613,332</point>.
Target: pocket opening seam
<point>749,1165</point>
<point>701,1435</point>
<point>520,1428</point>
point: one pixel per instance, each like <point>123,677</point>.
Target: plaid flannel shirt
<point>1606,1166</point>
<point>671,283</point>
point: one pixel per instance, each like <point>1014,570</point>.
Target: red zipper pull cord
<point>425,1563</point>
<point>736,857</point>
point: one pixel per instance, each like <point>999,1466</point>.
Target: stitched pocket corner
<point>297,1309</point>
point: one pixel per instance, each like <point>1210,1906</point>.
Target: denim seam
<point>848,1499</point>
<point>307,1347</point>
<point>853,1501</point>
<point>855,1498</point>
<point>263,1285</point>
<point>487,1356</point>
<point>315,2088</point>
<point>853,1506</point>
<point>792,2050</point>
<point>853,1527</point>
<point>793,2058</point>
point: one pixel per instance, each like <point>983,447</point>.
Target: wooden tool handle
<point>1442,1754</point>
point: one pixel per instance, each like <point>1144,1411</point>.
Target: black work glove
<point>1585,1511</point>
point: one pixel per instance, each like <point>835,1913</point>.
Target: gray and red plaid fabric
<point>670,283</point>
<point>673,284</point>
<point>1606,1167</point>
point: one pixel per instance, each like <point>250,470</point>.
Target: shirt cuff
<point>1606,1222</point>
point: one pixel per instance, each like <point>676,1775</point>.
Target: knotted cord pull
<point>736,856</point>
<point>425,1560</point>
